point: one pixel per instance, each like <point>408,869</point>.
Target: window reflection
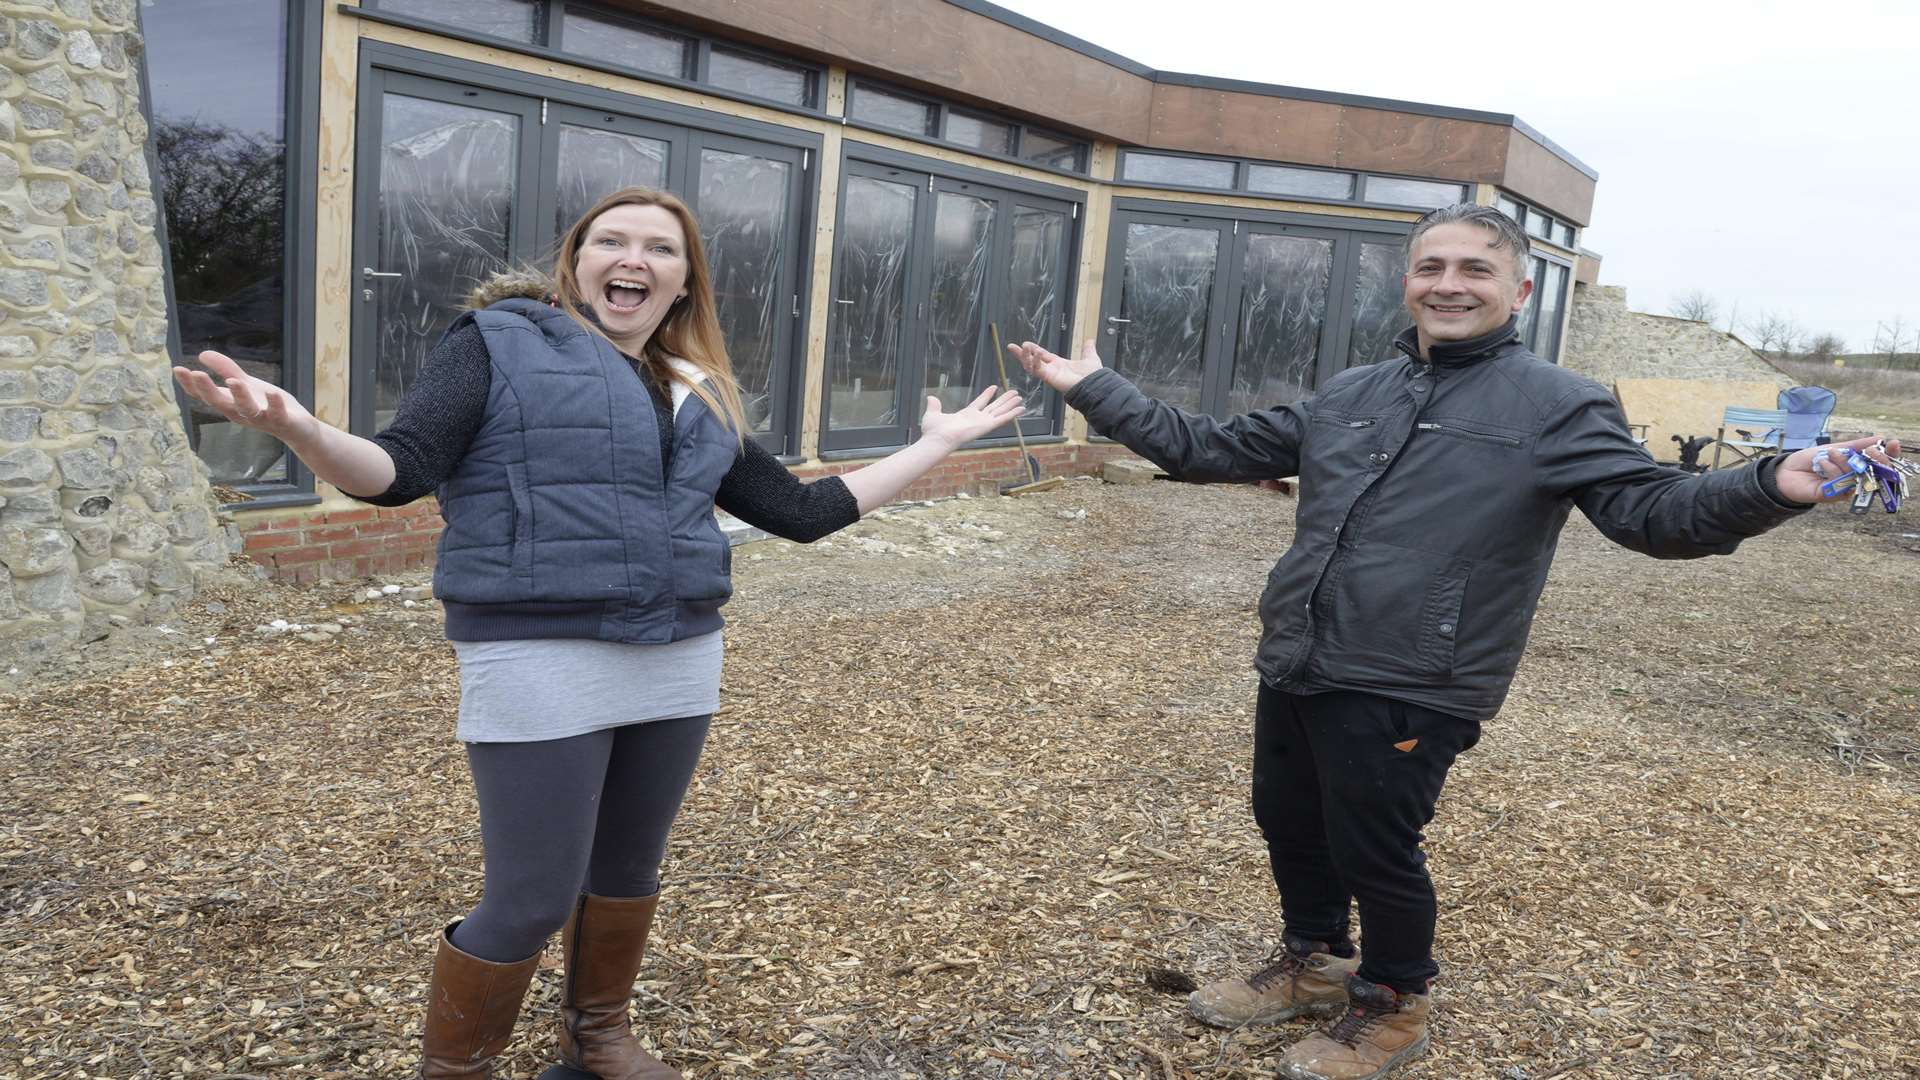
<point>515,20</point>
<point>218,74</point>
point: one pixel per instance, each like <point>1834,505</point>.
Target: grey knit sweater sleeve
<point>443,409</point>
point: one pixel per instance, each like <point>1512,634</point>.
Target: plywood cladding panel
<point>1204,120</point>
<point>1207,121</point>
<point>944,48</point>
<point>1543,177</point>
<point>953,52</point>
<point>1434,146</point>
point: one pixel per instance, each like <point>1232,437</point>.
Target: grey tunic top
<point>555,688</point>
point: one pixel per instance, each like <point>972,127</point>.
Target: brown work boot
<point>1303,977</point>
<point>605,941</point>
<point>471,1006</point>
<point>1380,1031</point>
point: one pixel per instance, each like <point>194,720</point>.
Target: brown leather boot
<point>1380,1031</point>
<point>1302,977</point>
<point>605,940</point>
<point>471,1006</point>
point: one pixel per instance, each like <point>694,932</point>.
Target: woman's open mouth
<point>624,295</point>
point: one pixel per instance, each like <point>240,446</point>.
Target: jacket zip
<point>1469,433</point>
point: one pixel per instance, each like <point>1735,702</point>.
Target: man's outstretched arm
<point>1262,445</point>
<point>1585,452</point>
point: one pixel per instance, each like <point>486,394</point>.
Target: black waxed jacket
<point>1431,499</point>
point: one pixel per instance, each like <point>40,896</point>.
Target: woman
<point>579,433</point>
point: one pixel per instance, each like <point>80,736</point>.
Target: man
<point>1433,487</point>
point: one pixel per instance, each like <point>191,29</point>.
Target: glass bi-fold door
<point>458,181</point>
<point>926,271</point>
<point>1220,316</point>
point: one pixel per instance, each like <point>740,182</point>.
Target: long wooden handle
<point>1000,354</point>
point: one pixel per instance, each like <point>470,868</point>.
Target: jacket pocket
<point>1440,619</point>
<point>1395,615</point>
<point>522,534</point>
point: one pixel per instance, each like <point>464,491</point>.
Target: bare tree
<point>1695,305</point>
<point>1823,348</point>
<point>1890,339</point>
<point>1774,334</point>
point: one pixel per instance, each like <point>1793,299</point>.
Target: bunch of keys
<point>1866,477</point>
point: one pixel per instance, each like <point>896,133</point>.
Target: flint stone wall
<point>1606,342</point>
<point>105,511</point>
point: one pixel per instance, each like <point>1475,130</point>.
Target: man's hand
<point>1056,371</point>
<point>1798,480</point>
<point>983,414</point>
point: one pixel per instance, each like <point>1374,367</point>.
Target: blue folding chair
<point>1807,409</point>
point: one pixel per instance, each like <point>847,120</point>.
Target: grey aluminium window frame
<point>941,108</point>
<point>869,442</point>
<point>1566,303</point>
<point>382,57</point>
<point>302,91</point>
<point>1242,168</point>
<point>556,39</point>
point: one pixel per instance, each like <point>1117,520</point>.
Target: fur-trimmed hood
<point>509,285</point>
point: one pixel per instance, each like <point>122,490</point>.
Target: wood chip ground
<point>976,790</point>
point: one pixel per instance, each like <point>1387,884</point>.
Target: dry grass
<point>1868,398</point>
<point>981,767</point>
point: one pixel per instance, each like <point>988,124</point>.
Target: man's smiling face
<point>1459,286</point>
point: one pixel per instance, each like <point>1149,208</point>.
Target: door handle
<point>843,301</point>
<point>1114,331</point>
<point>368,273</point>
<point>1118,319</point>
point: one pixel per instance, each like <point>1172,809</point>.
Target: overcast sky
<point>1765,152</point>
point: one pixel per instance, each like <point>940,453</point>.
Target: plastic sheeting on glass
<point>1313,183</point>
<point>872,105</point>
<point>1528,332</point>
<point>1553,296</point>
<point>1036,284</point>
<point>1283,308</point>
<point>616,42</point>
<point>1378,311</point>
<point>743,222</point>
<point>446,195</point>
<point>1395,191</point>
<point>1054,151</point>
<point>870,307</point>
<point>979,133</point>
<point>218,70</point>
<point>594,163</point>
<point>515,20</point>
<point>1166,292</point>
<point>761,78</point>
<point>1185,171</point>
<point>962,234</point>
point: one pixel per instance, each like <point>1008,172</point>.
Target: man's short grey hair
<point>1507,232</point>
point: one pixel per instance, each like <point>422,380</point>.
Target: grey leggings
<point>589,812</point>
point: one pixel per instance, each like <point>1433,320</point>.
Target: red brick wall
<point>367,541</point>
<point>339,544</point>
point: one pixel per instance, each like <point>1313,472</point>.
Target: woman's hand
<point>248,401</point>
<point>982,415</point>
